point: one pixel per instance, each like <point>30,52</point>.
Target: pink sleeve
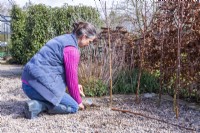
<point>71,61</point>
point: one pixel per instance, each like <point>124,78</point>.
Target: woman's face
<point>85,41</point>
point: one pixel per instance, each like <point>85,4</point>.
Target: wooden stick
<point>110,55</point>
<point>127,111</point>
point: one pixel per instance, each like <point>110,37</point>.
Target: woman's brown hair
<point>84,28</point>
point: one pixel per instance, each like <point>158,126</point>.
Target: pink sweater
<point>71,61</point>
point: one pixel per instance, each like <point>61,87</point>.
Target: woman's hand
<point>80,87</point>
<point>81,106</point>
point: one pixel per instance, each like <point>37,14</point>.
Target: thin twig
<point>140,114</point>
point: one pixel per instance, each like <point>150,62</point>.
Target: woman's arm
<point>71,61</point>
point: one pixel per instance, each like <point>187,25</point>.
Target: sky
<point>58,3</point>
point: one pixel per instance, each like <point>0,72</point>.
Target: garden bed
<point>93,119</point>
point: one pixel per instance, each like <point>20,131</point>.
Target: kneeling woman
<point>53,68</point>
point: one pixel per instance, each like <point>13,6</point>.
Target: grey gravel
<point>94,119</point>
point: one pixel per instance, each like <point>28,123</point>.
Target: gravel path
<point>93,120</point>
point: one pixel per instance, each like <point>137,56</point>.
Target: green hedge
<point>33,27</point>
<point>18,34</point>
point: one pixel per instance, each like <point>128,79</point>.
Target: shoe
<point>33,108</point>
